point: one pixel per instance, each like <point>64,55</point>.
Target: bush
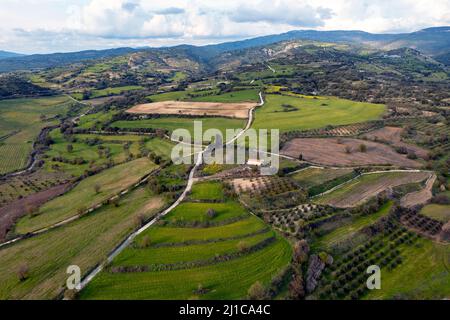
<point>145,243</point>
<point>242,246</point>
<point>211,213</point>
<point>257,292</point>
<point>22,272</point>
<point>441,199</point>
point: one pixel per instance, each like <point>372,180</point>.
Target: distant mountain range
<point>434,42</point>
<point>6,54</point>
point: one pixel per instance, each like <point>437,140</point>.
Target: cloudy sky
<point>41,26</point>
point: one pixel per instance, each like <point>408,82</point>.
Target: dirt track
<point>392,135</point>
<point>332,152</point>
<point>234,110</point>
<point>419,197</point>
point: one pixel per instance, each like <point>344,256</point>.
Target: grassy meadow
<point>312,112</point>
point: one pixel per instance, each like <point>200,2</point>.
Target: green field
<point>313,113</point>
<point>314,176</point>
<point>348,230</point>
<point>197,212</point>
<point>235,96</point>
<point>174,254</point>
<point>179,76</point>
<point>24,119</point>
<point>173,123</point>
<point>95,120</point>
<point>228,280</point>
<point>207,191</point>
<point>438,212</point>
<point>84,242</point>
<point>113,91</point>
<point>208,95</point>
<point>423,274</point>
<point>185,247</point>
<point>90,154</point>
<point>111,181</point>
<point>159,146</point>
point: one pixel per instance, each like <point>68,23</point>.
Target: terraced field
<point>215,262</point>
<point>85,195</point>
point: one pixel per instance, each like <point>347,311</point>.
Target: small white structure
<point>254,162</point>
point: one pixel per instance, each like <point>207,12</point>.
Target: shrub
<point>140,220</point>
<point>145,243</point>
<point>242,246</point>
<point>211,213</point>
<point>257,292</point>
<point>296,287</point>
<point>411,155</point>
<point>362,147</point>
<point>22,272</point>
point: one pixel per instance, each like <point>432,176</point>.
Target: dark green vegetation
<point>218,249</point>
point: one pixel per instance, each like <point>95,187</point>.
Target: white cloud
<point>65,25</point>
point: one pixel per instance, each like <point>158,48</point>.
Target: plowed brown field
<point>234,110</point>
<point>392,135</point>
<point>332,152</point>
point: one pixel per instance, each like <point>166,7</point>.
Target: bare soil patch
<point>219,109</point>
<point>419,197</point>
<point>13,211</point>
<point>249,184</point>
<point>346,152</point>
<point>392,135</point>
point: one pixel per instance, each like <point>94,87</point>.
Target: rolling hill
<point>434,42</point>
